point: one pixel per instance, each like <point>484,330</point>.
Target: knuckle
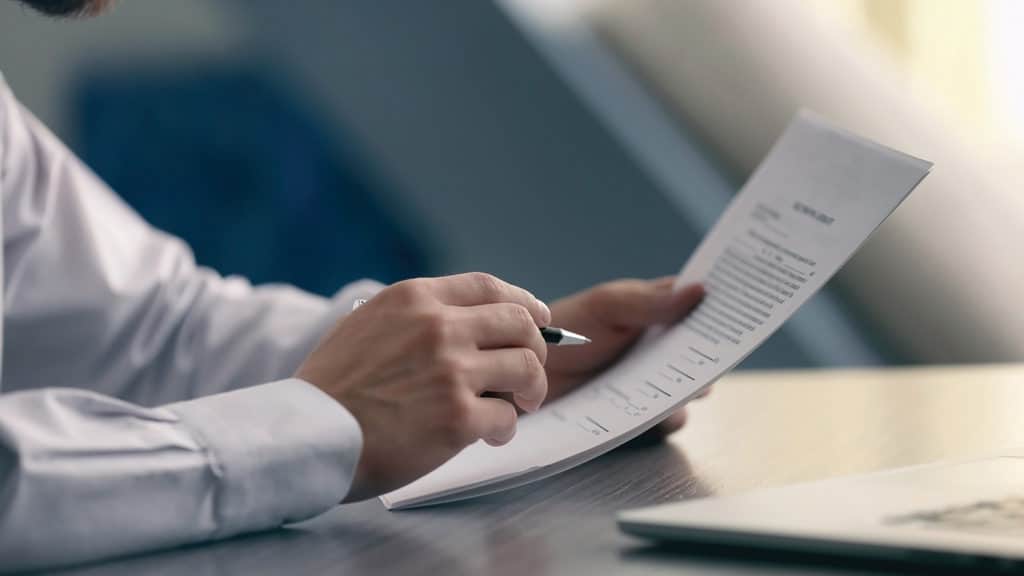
<point>457,424</point>
<point>600,298</point>
<point>540,348</point>
<point>532,367</point>
<point>407,291</point>
<point>507,423</point>
<point>610,299</point>
<point>535,378</point>
<point>521,318</point>
<point>488,284</point>
<point>436,328</point>
<point>608,292</point>
<point>452,371</point>
<point>616,289</point>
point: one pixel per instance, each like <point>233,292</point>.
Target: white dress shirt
<point>146,402</point>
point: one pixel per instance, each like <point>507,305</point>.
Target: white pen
<point>552,335</point>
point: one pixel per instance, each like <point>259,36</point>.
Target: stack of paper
<point>810,204</point>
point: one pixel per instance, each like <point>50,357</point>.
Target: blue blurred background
<point>241,169</point>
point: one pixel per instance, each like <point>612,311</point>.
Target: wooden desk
<point>757,429</point>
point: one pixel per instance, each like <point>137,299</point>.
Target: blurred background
<point>323,141</point>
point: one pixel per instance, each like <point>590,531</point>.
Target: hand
<point>412,363</point>
<point>613,316</point>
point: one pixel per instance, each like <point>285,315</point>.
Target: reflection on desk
<point>756,429</point>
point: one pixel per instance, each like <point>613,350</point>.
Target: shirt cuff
<point>279,452</point>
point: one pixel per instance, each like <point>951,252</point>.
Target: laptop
<point>968,512</point>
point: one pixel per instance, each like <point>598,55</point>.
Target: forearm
<point>173,336</point>
<point>227,335</point>
<point>86,477</point>
<point>95,297</point>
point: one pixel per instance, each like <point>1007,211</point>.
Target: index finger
<point>479,288</point>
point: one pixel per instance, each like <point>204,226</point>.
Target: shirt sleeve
<point>94,297</point>
<point>84,476</point>
<point>129,419</point>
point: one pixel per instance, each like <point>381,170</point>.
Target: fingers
<point>665,428</point>
<point>628,303</point>
<point>639,303</point>
<point>674,422</point>
<point>682,302</point>
<point>677,419</point>
<point>493,420</point>
<point>478,288</point>
<point>504,326</point>
<point>515,370</point>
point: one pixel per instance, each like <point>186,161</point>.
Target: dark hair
<point>61,7</point>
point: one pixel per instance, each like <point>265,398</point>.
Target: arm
<point>86,276</point>
<point>85,476</point>
<point>97,301</point>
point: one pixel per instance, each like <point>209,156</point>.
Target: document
<point>812,202</point>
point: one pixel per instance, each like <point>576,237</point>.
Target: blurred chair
<point>241,170</point>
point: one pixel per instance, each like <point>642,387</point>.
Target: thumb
<point>681,302</point>
<point>633,304</point>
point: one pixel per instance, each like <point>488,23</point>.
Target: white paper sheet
<point>815,198</point>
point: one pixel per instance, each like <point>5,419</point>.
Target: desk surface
<point>756,429</point>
